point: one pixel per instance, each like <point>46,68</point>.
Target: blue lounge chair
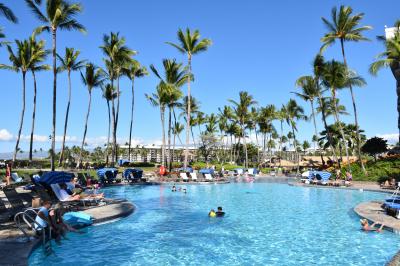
<point>321,176</point>
<point>107,175</point>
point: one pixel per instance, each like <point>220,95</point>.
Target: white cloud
<point>5,135</point>
<point>391,138</point>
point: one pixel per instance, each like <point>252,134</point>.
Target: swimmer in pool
<point>219,212</point>
<point>173,189</point>
<point>212,213</point>
<point>366,227</point>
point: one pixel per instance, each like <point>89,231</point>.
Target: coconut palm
<point>176,131</point>
<point>117,55</point>
<point>294,112</point>
<point>60,15</point>
<point>108,94</point>
<point>173,79</point>
<point>68,63</point>
<point>160,99</point>
<point>92,78</point>
<point>133,70</point>
<point>196,117</point>
<point>38,55</point>
<point>309,93</point>
<point>346,27</point>
<point>390,58</point>
<point>241,115</point>
<point>337,76</point>
<point>190,43</point>
<point>20,62</point>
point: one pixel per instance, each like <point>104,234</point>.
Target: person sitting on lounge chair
<point>65,196</point>
<point>366,227</point>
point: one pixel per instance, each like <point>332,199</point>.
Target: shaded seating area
<point>132,174</point>
<point>107,175</point>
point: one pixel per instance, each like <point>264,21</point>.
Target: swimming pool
<point>265,224</point>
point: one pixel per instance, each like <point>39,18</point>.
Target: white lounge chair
<point>16,177</point>
<point>184,177</point>
<point>193,176</point>
<point>208,177</point>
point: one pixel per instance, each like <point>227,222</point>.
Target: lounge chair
<point>14,200</point>
<point>193,176</point>
<point>16,178</point>
<point>208,177</point>
<point>184,177</point>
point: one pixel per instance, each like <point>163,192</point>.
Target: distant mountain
<point>23,155</point>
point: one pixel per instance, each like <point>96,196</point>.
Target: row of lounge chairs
<point>195,177</point>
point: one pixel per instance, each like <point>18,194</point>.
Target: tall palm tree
<point>294,112</point>
<point>190,43</point>
<point>346,27</point>
<point>8,13</point>
<point>109,94</point>
<point>93,78</point>
<point>68,63</point>
<point>20,62</point>
<point>241,113</point>
<point>133,70</point>
<point>309,94</point>
<point>60,14</point>
<point>117,56</point>
<point>160,99</point>
<point>38,55</point>
<point>173,79</point>
<point>176,131</point>
<point>390,58</point>
<point>337,76</point>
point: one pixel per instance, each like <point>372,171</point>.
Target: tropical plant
<point>68,63</point>
<point>38,55</point>
<point>374,146</point>
<point>133,70</point>
<point>390,58</point>
<point>20,62</point>
<point>346,27</point>
<point>190,43</point>
<point>60,15</point>
<point>8,13</point>
<point>241,115</point>
<point>92,78</point>
<point>117,55</point>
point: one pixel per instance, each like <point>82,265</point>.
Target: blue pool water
<point>265,224</point>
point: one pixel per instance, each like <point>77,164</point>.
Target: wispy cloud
<point>391,138</point>
<point>5,135</point>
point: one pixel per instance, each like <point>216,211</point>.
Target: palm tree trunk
<point>315,124</point>
<point>246,163</point>
<point>173,148</point>
<point>188,112</point>
<point>109,127</point>
<point>33,116</point>
<point>398,105</point>
<point>295,151</point>
<point>53,133</point>
<point>162,111</point>
<point>358,139</point>
<point>169,137</point>
<point>258,150</point>
<point>231,150</point>
<point>341,129</point>
<point>21,121</point>
<point>66,119</point>
<point>114,139</point>
<point>86,123</point>
<point>280,141</point>
<point>116,120</point>
<point>130,128</point>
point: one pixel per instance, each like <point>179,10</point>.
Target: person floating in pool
<point>366,227</point>
<point>212,214</point>
<point>184,190</point>
<point>219,212</point>
<point>173,188</point>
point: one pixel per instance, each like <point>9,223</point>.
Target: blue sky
<point>258,46</point>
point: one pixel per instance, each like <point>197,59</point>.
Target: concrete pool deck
<point>15,249</point>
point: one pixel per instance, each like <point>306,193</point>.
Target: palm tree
<point>176,131</point>
<point>20,62</point>
<point>93,78</point>
<point>133,70</point>
<point>294,112</point>
<point>390,58</point>
<point>38,55</point>
<point>7,13</point>
<point>159,99</point>
<point>108,94</point>
<point>69,63</point>
<point>241,113</point>
<point>60,14</point>
<point>346,27</point>
<point>190,44</point>
<point>118,55</point>
<point>337,76</point>
<point>174,78</point>
<point>309,94</point>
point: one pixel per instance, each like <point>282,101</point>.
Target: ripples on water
<point>265,224</point>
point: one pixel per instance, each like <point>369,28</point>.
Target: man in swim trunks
<point>219,212</point>
<point>366,227</point>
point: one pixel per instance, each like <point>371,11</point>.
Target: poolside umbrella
<point>323,174</point>
<point>206,171</point>
<point>56,177</point>
<point>186,170</point>
<point>136,173</point>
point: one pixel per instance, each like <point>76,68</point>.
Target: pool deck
<point>15,249</point>
<point>365,186</point>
